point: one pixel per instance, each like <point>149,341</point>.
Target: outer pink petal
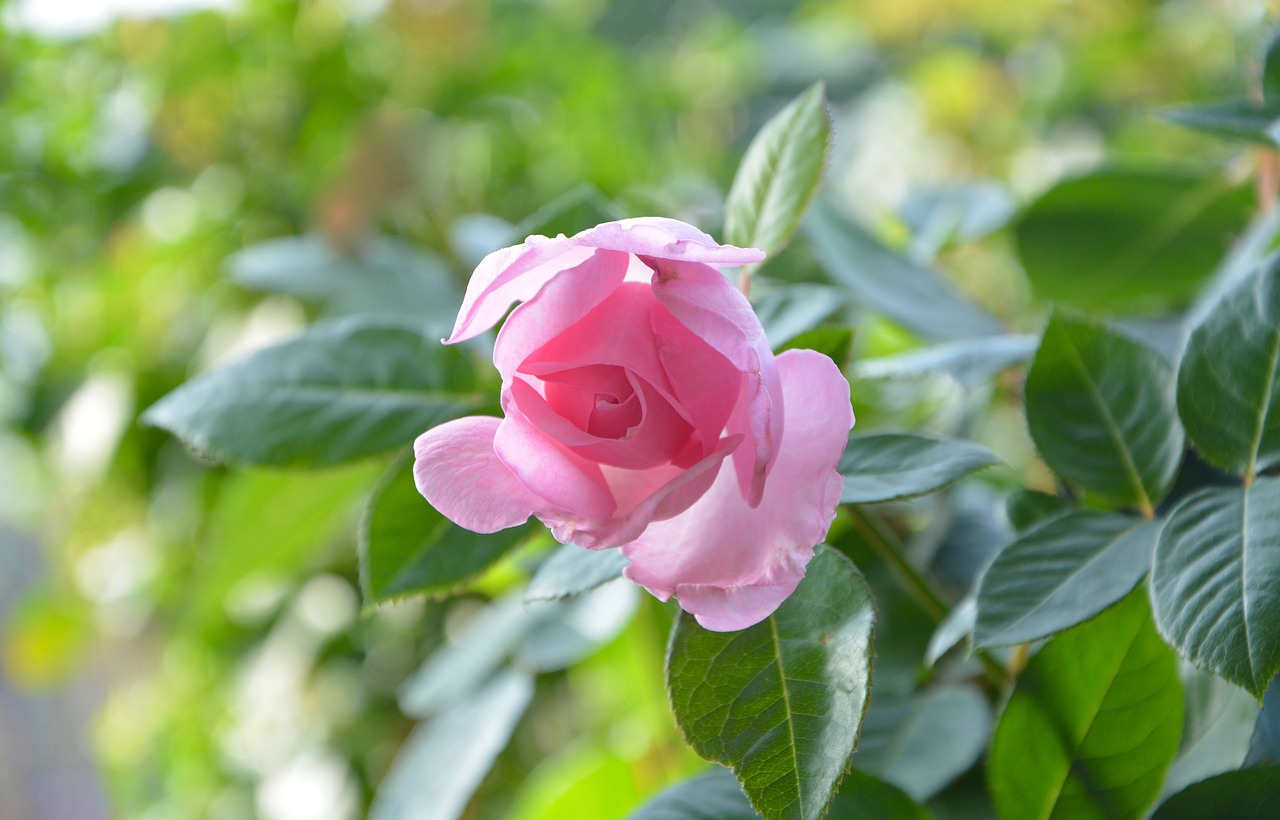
<point>664,238</point>
<point>511,275</point>
<point>706,303</point>
<point>670,494</point>
<point>731,564</point>
<point>455,468</point>
<point>562,301</point>
<point>546,469</point>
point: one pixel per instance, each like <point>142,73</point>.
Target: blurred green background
<point>182,640</point>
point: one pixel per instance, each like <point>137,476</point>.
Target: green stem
<point>889,548</point>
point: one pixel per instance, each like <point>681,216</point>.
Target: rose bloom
<point>644,409</point>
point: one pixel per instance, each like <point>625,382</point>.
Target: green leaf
<point>1229,377</point>
<point>1025,508</point>
<point>1216,582</point>
<point>833,341</point>
<point>960,213</point>
<point>572,570</point>
<point>1124,241</point>
<point>266,527</point>
<point>443,761</point>
<point>863,797</point>
<point>1220,720</point>
<point>914,296</point>
<point>407,548</point>
<point>576,628</point>
<point>893,466</point>
<point>781,702</point>
<point>1249,794</point>
<point>971,362</point>
<point>715,795</point>
<point>343,390</point>
<point>1101,409</point>
<point>1271,67</point>
<point>923,742</point>
<point>1093,723</point>
<point>1264,743</point>
<point>1239,119</point>
<point>779,174</point>
<point>385,276</point>
<point>787,311</point>
<point>1060,574</point>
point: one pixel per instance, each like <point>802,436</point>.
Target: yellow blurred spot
<point>43,643</point>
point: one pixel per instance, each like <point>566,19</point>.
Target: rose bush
<point>644,409</point>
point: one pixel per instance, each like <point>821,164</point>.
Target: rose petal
<point>646,496</point>
<point>510,275</point>
<point>456,469</point>
<point>665,239</point>
<point>562,301</point>
<point>720,542</point>
<point>568,482</point>
<point>716,312</point>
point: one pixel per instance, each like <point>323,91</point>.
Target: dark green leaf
<point>954,628</point>
<point>1101,409</point>
<point>407,548</point>
<point>781,702</point>
<point>1093,723</point>
<point>1061,573</point>
<point>1239,119</point>
<point>923,742</point>
<point>779,174</point>
<point>1216,581</point>
<point>444,761</point>
<point>916,297</point>
<point>971,362</point>
<point>1271,67</point>
<point>1229,378</point>
<point>1026,508</point>
<point>386,276</point>
<point>863,797</point>
<point>572,570</point>
<point>892,466</point>
<point>1249,794</point>
<point>343,390</point>
<point>1124,241</point>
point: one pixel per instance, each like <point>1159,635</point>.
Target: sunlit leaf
<point>1101,409</point>
<point>1216,581</point>
<point>781,702</point>
<point>892,466</point>
<point>779,174</point>
<point>1107,689</point>
<point>343,390</point>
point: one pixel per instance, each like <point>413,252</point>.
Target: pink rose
<point>645,410</point>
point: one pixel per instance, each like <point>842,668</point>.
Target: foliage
<point>248,229</point>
